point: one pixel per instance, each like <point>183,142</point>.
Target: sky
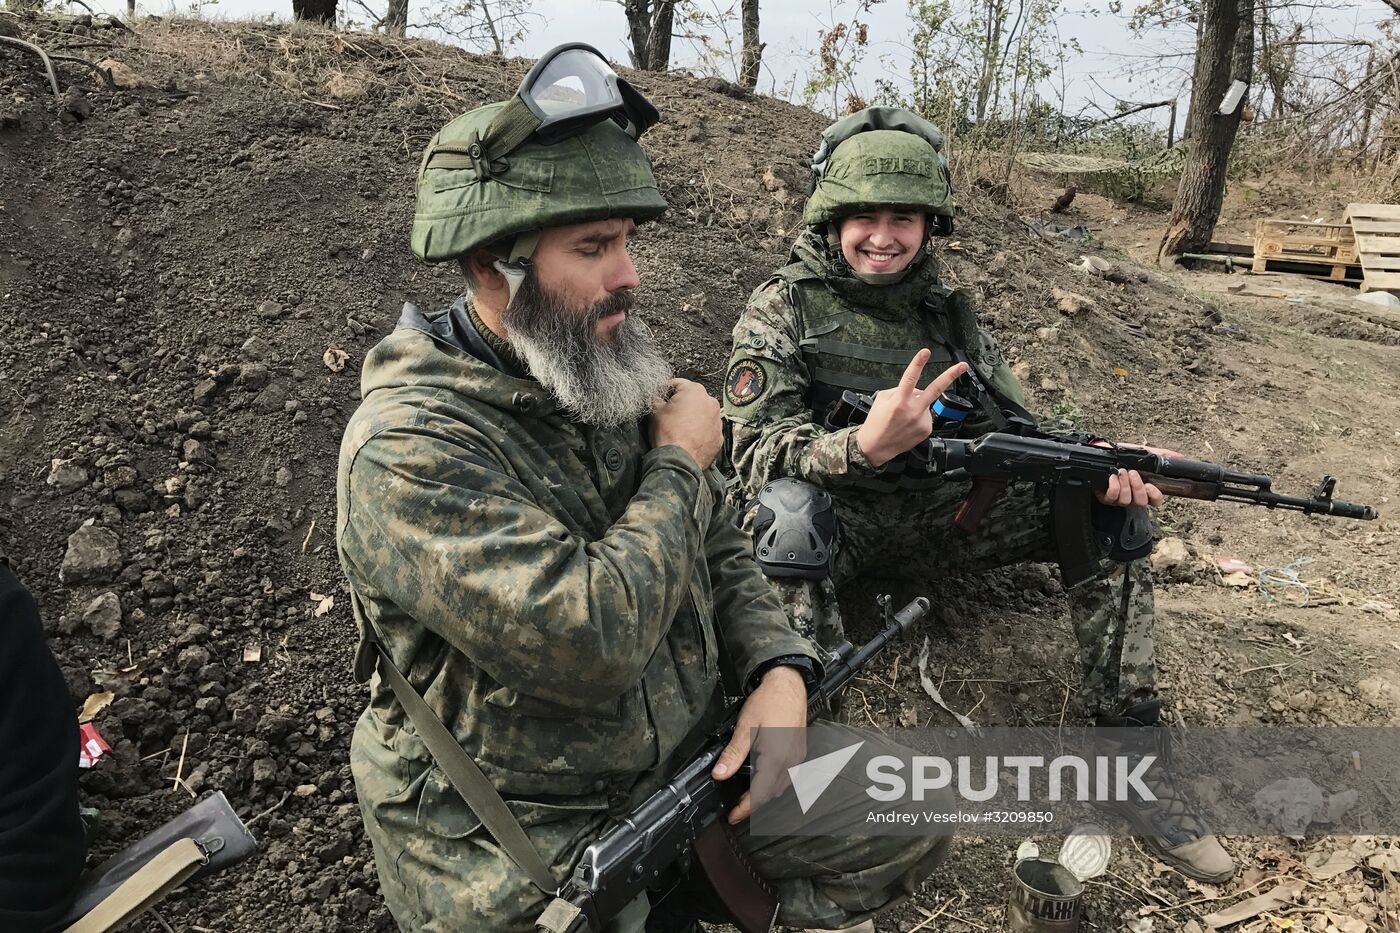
<point>1114,62</point>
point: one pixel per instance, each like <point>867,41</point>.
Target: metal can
<point>1045,898</point>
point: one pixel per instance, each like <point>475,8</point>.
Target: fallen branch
<point>48,65</point>
<point>104,73</point>
<point>272,809</point>
<point>1129,112</point>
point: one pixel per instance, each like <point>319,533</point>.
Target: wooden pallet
<point>1376,228</point>
<point>1329,248</point>
<point>1346,274</point>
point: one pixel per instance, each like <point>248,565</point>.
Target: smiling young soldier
<point>859,306</point>
<point>540,556</point>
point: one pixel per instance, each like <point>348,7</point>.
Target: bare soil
<point>175,266</point>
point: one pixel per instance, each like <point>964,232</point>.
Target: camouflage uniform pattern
<point>567,601</point>
<point>812,323</point>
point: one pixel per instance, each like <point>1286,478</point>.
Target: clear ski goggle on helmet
<point>569,90</point>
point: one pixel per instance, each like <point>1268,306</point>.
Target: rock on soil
<point>93,556</point>
<point>67,476</point>
<point>1173,562</point>
<point>103,616</point>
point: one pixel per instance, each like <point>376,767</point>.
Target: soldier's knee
<point>795,530</point>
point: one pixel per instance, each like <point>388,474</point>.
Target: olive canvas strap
<point>467,777</point>
<point>144,889</point>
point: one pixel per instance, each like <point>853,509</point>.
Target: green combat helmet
<point>880,157</point>
<point>562,151</point>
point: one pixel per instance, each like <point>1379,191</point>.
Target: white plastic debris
<point>1085,851</point>
<point>1232,98</point>
<point>1380,299</point>
<point>1095,265</point>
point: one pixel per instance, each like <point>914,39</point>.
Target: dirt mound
<point>180,256</point>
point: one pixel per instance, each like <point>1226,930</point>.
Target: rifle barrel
<point>1273,500</point>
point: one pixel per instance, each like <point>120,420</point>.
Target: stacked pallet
<point>1376,228</point>
<point>1319,250</point>
<point>1363,250</point>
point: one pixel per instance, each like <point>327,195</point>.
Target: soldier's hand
<point>1128,487</point>
<point>900,418</point>
<point>689,418</point>
<point>780,701</point>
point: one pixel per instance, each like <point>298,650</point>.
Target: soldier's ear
<point>479,267</point>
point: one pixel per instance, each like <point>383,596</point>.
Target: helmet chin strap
<point>514,275</point>
<point>514,264</point>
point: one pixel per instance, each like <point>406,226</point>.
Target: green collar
<point>496,342</point>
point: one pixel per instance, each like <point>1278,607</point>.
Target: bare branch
<point>1118,116</point>
<point>44,56</point>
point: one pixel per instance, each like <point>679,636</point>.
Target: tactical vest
<point>846,349</point>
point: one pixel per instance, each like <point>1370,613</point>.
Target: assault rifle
<point>683,823</point>
<point>1075,468</point>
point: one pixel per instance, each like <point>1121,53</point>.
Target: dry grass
<point>313,61</point>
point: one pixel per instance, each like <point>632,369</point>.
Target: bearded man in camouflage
<point>860,307</point>
<point>538,547</point>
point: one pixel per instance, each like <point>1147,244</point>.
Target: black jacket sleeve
<point>41,833</point>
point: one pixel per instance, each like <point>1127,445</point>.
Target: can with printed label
<point>1045,898</point>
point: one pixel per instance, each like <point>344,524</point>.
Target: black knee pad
<point>795,531</point>
<point>1125,533</point>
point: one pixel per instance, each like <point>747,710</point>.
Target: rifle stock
<point>751,901</point>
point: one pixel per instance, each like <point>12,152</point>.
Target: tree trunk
<point>995,11</point>
<point>649,23</point>
<point>1368,114</point>
<point>664,16</point>
<point>753,49</point>
<point>321,11</point>
<point>1224,53</point>
<point>396,18</point>
<point>490,22</point>
<point>637,29</point>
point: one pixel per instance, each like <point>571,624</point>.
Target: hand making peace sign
<point>900,418</point>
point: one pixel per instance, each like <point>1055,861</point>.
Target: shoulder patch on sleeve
<point>748,379</point>
<point>989,352</point>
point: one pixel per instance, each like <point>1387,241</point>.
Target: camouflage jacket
<point>810,332</point>
<point>562,596</point>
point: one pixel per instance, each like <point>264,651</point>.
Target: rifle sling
<point>467,777</point>
<point>144,889</point>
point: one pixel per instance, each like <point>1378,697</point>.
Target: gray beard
<point>604,383</point>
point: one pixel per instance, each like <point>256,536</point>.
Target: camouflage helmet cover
<point>879,158</point>
<point>598,174</point>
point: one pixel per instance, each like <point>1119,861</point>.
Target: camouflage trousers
<point>439,871</point>
<point>910,536</point>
